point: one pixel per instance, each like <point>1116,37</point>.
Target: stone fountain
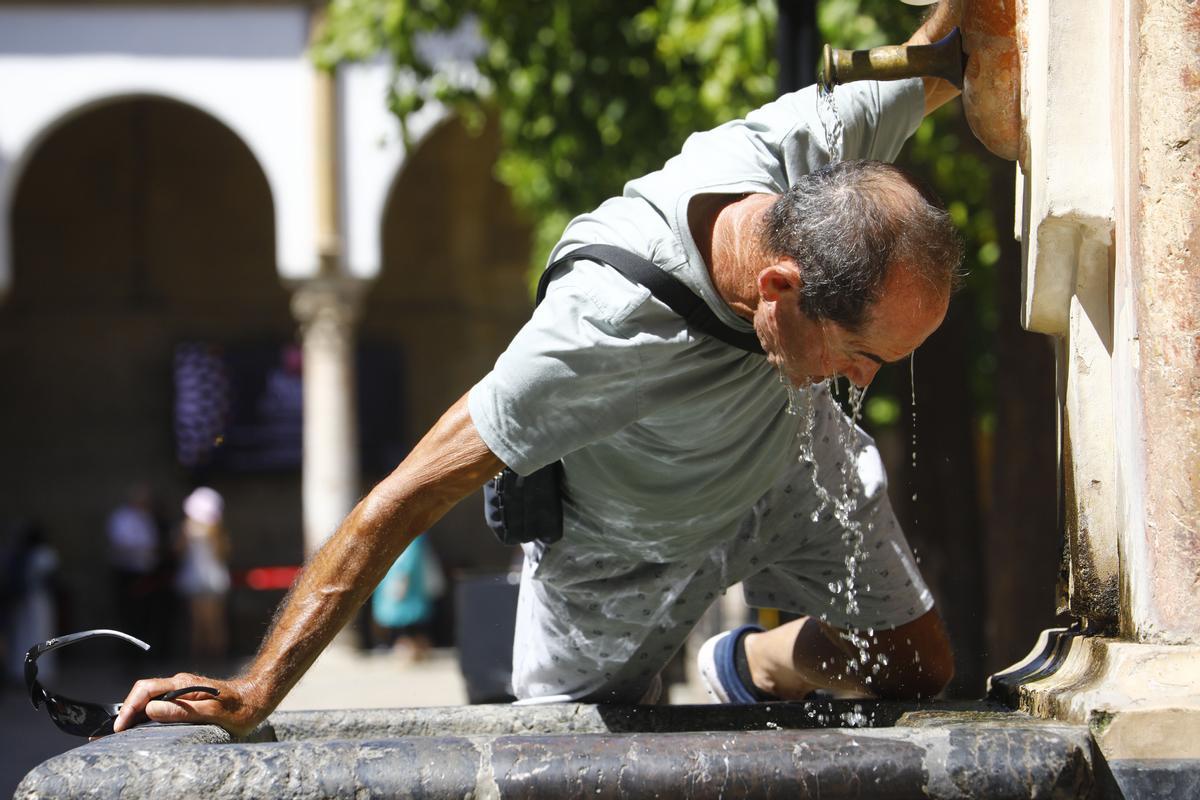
<point>1097,103</point>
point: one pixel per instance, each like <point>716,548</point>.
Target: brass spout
<point>942,59</point>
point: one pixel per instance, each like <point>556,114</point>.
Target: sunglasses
<point>77,717</point>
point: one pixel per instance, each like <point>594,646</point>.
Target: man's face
<point>808,351</point>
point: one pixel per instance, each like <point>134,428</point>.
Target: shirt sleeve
<point>776,144</point>
<point>571,375</point>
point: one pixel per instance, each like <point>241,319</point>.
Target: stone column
<point>327,310</point>
<point>1158,294</point>
<point>1111,227</point>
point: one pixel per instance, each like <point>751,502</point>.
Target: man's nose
<point>861,372</point>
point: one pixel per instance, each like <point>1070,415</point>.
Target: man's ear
<point>778,280</point>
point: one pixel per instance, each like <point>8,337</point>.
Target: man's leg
<point>908,662</point>
<point>873,628</point>
<point>599,628</point>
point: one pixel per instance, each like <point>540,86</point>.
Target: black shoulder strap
<point>666,287</point>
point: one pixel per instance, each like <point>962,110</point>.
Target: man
<point>684,471</point>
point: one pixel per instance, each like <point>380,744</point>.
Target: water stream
<point>842,502</point>
<point>842,505</point>
<point>912,381</point>
<point>831,121</point>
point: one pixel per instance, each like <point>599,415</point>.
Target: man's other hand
<point>233,708</point>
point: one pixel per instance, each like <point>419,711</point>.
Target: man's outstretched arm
<point>450,462</point>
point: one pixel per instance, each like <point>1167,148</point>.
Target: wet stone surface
<point>574,718</point>
<point>577,751</point>
<point>1150,779</point>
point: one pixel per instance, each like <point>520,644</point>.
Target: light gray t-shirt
<point>667,436</point>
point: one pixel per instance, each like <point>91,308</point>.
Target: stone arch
<point>138,223</point>
<point>188,127</point>
<point>43,127</point>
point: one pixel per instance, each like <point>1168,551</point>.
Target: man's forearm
<point>942,19</point>
<point>447,464</point>
<point>333,585</point>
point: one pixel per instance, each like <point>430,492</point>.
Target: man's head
<point>867,258</point>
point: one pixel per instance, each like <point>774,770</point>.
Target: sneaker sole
<point>708,670</point>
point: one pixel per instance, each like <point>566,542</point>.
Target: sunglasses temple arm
<point>72,638</point>
<point>171,695</point>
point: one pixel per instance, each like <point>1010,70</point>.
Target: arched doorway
<point>138,226</point>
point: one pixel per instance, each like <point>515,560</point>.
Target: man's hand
<point>233,708</point>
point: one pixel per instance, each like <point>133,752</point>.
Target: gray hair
<point>846,224</point>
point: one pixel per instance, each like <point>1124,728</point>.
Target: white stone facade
<point>246,66</point>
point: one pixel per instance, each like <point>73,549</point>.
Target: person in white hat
<point>203,577</point>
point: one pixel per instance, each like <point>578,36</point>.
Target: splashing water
<point>793,394</point>
<point>855,718</point>
<point>842,504</point>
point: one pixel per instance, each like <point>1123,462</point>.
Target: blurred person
<point>203,576</point>
<point>402,605</point>
<point>135,557</point>
<point>690,460</point>
<point>30,574</point>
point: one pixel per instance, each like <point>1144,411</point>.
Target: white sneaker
<point>717,661</point>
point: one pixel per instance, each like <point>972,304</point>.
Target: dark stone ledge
<point>1152,779</point>
<point>955,757</point>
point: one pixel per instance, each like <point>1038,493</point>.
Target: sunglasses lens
<point>35,688</point>
<point>79,719</point>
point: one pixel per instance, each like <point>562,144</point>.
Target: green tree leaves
<point>589,94</point>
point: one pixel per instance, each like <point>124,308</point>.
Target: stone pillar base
<point>1141,701</point>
